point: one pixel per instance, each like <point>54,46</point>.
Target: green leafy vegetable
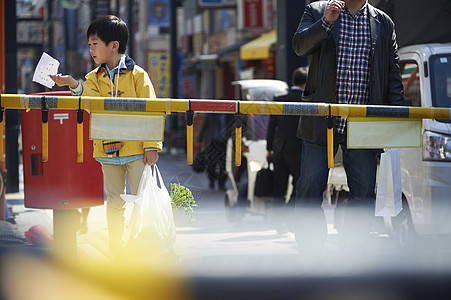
<point>181,197</point>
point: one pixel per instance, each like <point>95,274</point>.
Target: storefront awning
<point>258,48</point>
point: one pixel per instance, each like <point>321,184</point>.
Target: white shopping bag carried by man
<point>389,189</point>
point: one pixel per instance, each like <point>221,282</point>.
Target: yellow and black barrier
<point>80,113</point>
<point>330,141</point>
<point>45,129</point>
<point>238,131</point>
<point>102,104</point>
<point>165,105</point>
<point>189,136</point>
<point>2,110</point>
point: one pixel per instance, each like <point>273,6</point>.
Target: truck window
<point>441,80</point>
<point>440,70</point>
<point>411,81</point>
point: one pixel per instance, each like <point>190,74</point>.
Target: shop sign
<point>189,87</point>
<point>159,71</point>
<point>186,47</point>
<point>253,13</point>
<point>217,42</point>
<point>159,13</point>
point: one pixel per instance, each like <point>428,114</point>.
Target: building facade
<point>224,41</point>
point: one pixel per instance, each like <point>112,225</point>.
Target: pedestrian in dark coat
<point>353,59</point>
<point>214,134</point>
<point>284,150</point>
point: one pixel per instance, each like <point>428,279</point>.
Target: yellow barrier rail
<point>16,101</point>
<point>189,106</point>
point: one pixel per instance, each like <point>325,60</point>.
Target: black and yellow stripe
<point>142,105</point>
<point>165,105</point>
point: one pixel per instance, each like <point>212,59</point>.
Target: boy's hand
<point>62,80</point>
<point>150,157</point>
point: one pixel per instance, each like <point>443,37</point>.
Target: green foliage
<point>181,197</point>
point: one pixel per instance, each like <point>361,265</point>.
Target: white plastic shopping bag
<point>389,189</point>
<point>151,229</point>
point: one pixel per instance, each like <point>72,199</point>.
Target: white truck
<point>426,171</point>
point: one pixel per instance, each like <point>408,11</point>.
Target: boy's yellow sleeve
<point>90,87</point>
<point>156,145</point>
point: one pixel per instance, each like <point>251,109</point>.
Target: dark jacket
<point>310,39</point>
<point>212,129</point>
<point>281,134</point>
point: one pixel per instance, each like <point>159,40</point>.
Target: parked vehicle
<point>426,171</point>
<point>241,198</point>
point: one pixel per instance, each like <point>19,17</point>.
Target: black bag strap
<point>267,163</point>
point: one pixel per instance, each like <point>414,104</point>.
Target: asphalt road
<point>214,245</point>
<point>218,259</point>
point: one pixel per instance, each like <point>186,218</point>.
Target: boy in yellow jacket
<point>116,76</point>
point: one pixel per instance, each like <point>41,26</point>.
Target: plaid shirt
<point>353,56</point>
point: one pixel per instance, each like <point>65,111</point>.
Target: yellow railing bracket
<point>189,134</point>
<point>330,140</point>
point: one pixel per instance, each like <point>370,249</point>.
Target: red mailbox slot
<point>61,182</point>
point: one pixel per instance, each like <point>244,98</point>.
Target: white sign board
<point>383,133</point>
<point>127,127</point>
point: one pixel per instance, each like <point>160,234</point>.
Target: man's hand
<point>62,80</point>
<point>269,154</point>
<point>333,10</point>
<point>150,157</point>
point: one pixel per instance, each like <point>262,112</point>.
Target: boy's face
<point>100,52</point>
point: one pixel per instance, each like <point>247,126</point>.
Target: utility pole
<point>174,55</point>
<point>2,90</point>
<point>12,116</point>
<point>289,14</point>
<point>50,26</point>
<point>2,46</point>
<point>131,30</point>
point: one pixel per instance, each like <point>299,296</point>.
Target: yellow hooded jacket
<point>134,82</point>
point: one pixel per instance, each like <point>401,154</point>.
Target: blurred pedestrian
<point>116,76</point>
<point>353,57</point>
<point>213,135</point>
<point>284,150</point>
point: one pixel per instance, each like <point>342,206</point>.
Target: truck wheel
<point>339,213</point>
<point>404,229</point>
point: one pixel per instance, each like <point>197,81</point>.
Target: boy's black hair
<point>110,28</point>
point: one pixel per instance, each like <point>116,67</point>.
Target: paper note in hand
<point>47,65</point>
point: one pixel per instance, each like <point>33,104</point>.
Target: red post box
<point>60,183</point>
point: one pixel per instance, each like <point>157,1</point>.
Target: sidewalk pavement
<point>210,235</point>
<point>93,244</point>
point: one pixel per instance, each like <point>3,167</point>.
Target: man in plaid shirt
<point>353,59</point>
